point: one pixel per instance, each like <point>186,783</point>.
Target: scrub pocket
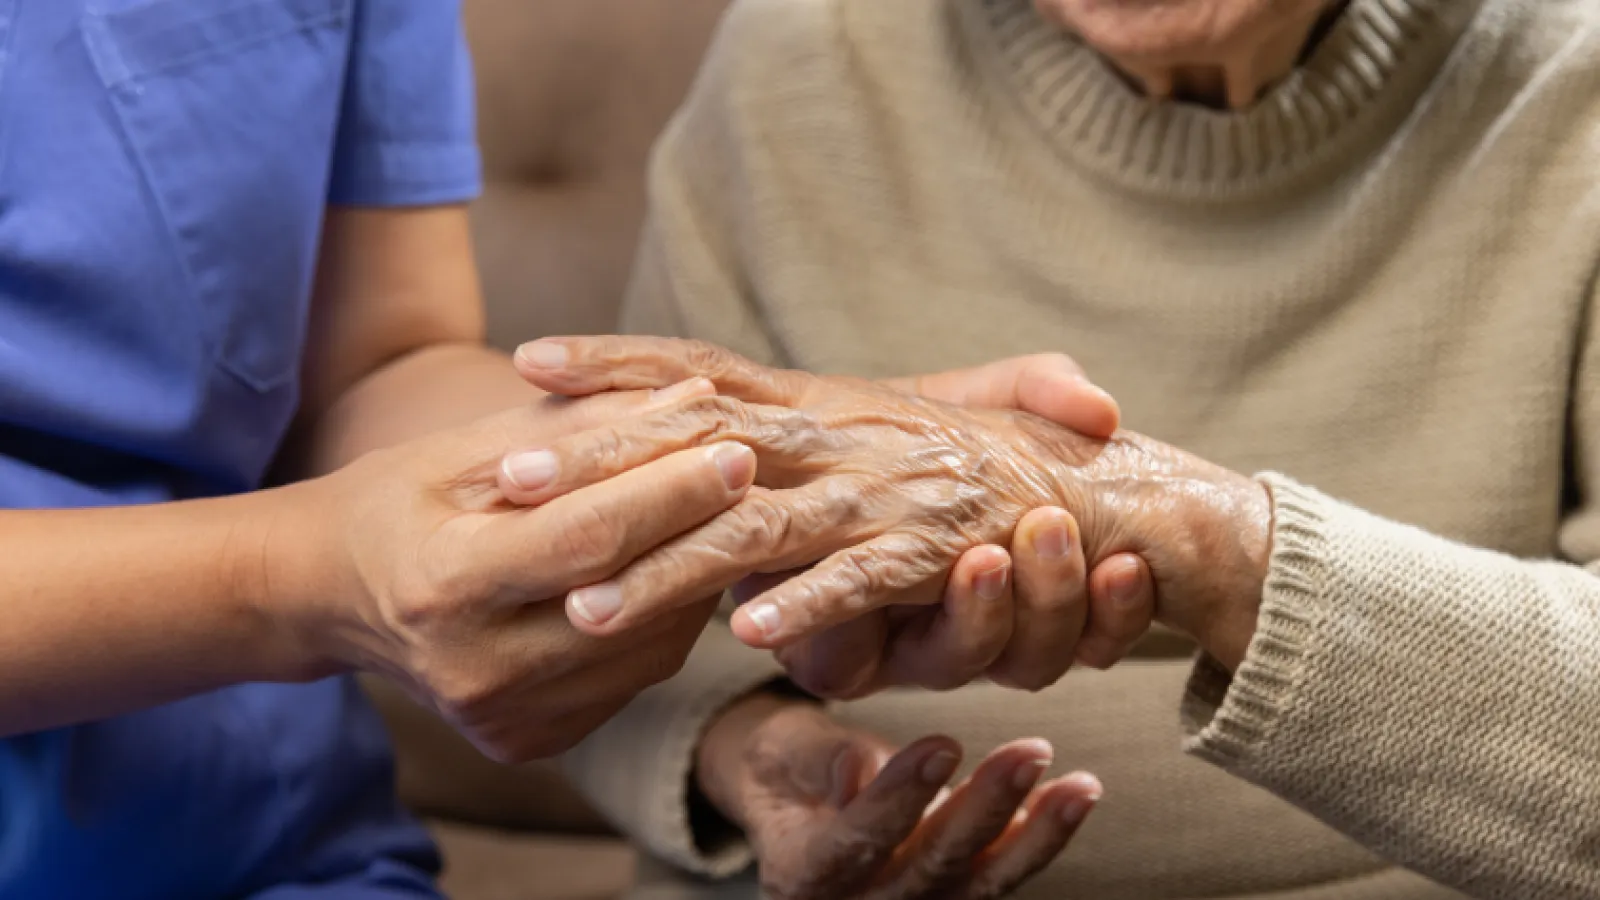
<point>230,110</point>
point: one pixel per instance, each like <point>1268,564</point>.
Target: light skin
<point>1223,53</point>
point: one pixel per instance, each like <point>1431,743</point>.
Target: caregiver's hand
<point>420,570</point>
<point>889,490</point>
<point>834,813</point>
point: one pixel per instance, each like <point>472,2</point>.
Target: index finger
<point>578,366</point>
<point>590,534</point>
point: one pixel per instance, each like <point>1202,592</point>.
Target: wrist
<point>1205,531</point>
<point>283,574</point>
<point>1231,527</point>
<point>721,756</point>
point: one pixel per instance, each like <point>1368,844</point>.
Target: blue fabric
<point>164,168</point>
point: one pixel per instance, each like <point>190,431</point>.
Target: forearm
<point>431,389</point>
<point>1435,702</point>
<point>110,610</point>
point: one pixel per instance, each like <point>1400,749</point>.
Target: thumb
<point>1050,385</point>
<point>826,761</point>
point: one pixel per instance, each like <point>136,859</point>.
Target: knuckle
<point>461,692</point>
<point>588,541</point>
<point>607,450</point>
<point>707,359</point>
<point>937,869</point>
<point>444,592</point>
<point>1018,676</point>
<point>864,571</point>
<point>761,523</point>
<point>702,420</point>
<point>659,666</point>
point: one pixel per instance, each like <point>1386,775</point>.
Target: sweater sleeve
<point>636,769</point>
<point>1438,703</point>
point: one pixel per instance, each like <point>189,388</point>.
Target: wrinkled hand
<point>883,492</point>
<point>1020,618</point>
<point>1022,630</point>
<point>835,814</point>
<point>423,572</point>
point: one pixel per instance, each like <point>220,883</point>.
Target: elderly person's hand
<point>947,631</point>
<point>1020,618</point>
<point>888,490</point>
<point>833,812</point>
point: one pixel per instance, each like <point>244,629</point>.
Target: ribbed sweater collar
<point>1354,90</point>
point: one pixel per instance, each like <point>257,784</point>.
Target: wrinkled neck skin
<point>1219,53</point>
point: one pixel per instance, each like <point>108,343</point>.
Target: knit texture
<point>1377,281</point>
<point>638,767</point>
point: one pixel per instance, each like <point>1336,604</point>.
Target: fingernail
<point>737,463</point>
<point>1124,583</point>
<point>1074,811</point>
<point>766,618</point>
<point>598,604</point>
<point>1027,774</point>
<point>991,585</point>
<point>544,354</point>
<point>938,768</point>
<point>1054,541</point>
<point>531,471</point>
<point>1092,788</point>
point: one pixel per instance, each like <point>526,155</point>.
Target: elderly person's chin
<point>1219,52</point>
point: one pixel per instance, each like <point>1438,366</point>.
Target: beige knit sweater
<point>1379,280</point>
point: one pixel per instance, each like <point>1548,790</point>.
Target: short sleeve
<point>407,127</point>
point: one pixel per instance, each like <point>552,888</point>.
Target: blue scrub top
<point>164,167</point>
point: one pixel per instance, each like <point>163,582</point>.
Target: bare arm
<point>397,347</point>
<point>111,610</point>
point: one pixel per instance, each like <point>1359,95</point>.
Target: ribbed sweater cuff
<point>637,768</point>
<point>1228,717</point>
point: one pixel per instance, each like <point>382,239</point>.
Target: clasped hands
<point>871,548</point>
<point>922,533</point>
